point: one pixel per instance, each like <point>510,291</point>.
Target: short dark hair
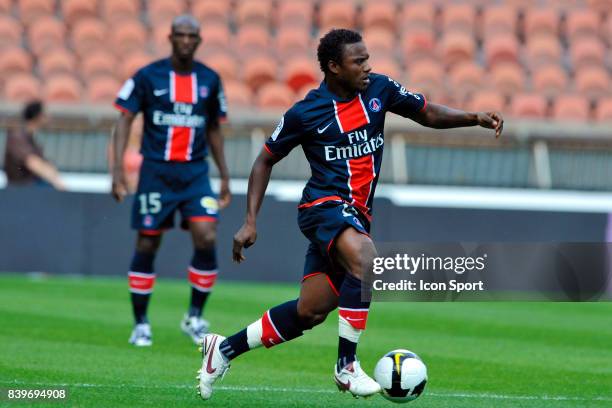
<point>332,44</point>
<point>32,110</point>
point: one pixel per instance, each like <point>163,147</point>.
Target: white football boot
<point>354,380</point>
<point>141,335</point>
<point>214,364</point>
<point>195,327</point>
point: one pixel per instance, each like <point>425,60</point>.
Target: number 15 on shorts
<point>150,203</point>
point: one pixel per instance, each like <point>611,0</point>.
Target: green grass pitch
<point>73,332</point>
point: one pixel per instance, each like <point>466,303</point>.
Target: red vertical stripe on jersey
<point>269,335</point>
<point>361,174</point>
<point>355,317</point>
<point>182,87</point>
<point>351,115</point>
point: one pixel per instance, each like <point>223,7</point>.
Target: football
<point>402,375</point>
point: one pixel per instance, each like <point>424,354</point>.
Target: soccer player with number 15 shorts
<point>182,103</point>
<point>340,128</point>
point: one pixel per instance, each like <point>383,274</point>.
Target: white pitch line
<point>314,391</point>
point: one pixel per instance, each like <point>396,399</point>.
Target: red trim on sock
<point>355,317</point>
<point>202,280</point>
<point>140,282</point>
<point>270,335</point>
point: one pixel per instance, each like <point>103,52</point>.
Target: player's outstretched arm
<point>215,141</point>
<point>443,117</point>
<point>258,182</point>
<point>119,140</point>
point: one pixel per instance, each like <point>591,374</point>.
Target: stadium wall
<point>88,233</point>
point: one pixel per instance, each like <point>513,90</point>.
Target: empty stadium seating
<point>469,52</point>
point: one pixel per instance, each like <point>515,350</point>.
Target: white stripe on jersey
<point>337,117</point>
<point>194,88</point>
<point>168,144</point>
<point>365,111</point>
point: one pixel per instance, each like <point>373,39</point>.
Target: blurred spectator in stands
<point>24,163</point>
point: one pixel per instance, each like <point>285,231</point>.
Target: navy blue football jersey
<point>343,139</point>
<point>177,109</point>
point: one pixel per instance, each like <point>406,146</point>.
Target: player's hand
<point>119,189</point>
<point>244,238</point>
<point>491,120</point>
<point>225,197</point>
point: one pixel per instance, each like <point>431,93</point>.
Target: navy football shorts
<point>322,224</point>
<point>164,188</point>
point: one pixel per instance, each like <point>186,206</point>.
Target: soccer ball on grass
<point>402,375</point>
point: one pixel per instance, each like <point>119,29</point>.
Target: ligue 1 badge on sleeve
<point>203,92</point>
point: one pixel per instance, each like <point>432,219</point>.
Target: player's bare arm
<point>215,140</point>
<point>119,140</point>
<point>258,182</point>
<point>443,117</point>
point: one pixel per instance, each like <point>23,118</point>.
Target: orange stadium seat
<point>296,12</point>
<point>550,79</point>
<point>581,22</point>
<point>45,33</point>
<point>606,30</point>
<point>303,91</point>
<point>115,10</point>
<point>457,46</point>
<point>62,88</point>
<point>253,12</point>
<point>13,60</point>
<point>211,11</point>
<point>128,36</point>
<point>5,6</point>
<point>30,10</point>
<point>161,12</point>
<point>425,75</point>
<point>387,66</point>
<point>336,14</point>
<point>418,14</point>
<point>56,61</point>
<point>275,95</point>
<point>258,70</point>
<point>102,89</point>
<point>292,40</point>
<point>507,78</point>
<point>381,14</point>
<point>74,10</point>
<point>465,77</point>
<point>458,17</point>
<point>418,42</point>
<point>603,110</point>
<point>253,38</point>
<point>223,62</point>
<point>98,62</point>
<point>10,31</point>
<point>380,41</point>
<point>214,35</point>
<point>22,87</point>
<point>593,81</point>
<point>161,43</point>
<point>237,94</point>
<point>133,62</point>
<point>501,48</point>
<point>543,20</point>
<point>543,49</point>
<point>486,100</point>
<point>299,71</point>
<point>88,34</point>
<point>586,51</point>
<point>570,107</point>
<point>499,19</point>
<point>528,105</point>
<point>601,6</point>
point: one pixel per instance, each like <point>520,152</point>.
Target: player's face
<point>185,39</point>
<point>355,69</point>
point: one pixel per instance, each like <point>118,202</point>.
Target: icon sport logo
<point>375,105</point>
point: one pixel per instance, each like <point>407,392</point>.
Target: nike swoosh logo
<point>345,386</point>
<point>325,128</point>
<point>353,320</point>
<point>209,368</point>
<point>160,92</point>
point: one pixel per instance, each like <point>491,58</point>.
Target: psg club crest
<point>147,221</point>
<point>375,105</point>
<point>203,92</point>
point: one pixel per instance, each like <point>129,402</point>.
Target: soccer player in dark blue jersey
<point>340,128</point>
<point>182,103</point>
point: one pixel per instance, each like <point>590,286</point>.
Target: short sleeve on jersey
<point>402,101</point>
<point>130,96</point>
<point>217,109</point>
<point>287,135</point>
